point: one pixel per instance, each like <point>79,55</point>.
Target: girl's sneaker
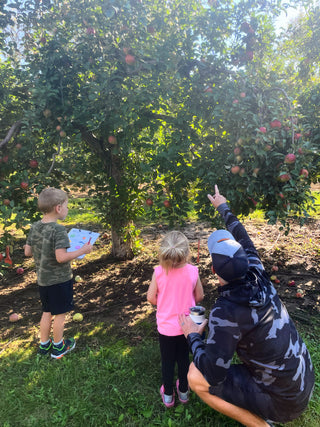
<point>183,397</point>
<point>64,348</point>
<point>167,399</point>
<point>44,349</point>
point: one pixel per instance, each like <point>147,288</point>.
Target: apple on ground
<point>149,201</point>
<point>78,278</point>
<point>167,203</point>
<point>299,295</point>
<point>14,317</point>
<point>273,278</point>
<point>275,268</point>
<point>78,317</point>
<point>20,270</point>
<point>112,139</point>
<point>291,283</point>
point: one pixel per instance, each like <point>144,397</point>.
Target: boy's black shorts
<point>240,389</point>
<point>57,299</point>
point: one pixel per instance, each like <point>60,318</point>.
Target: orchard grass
<point>107,381</point>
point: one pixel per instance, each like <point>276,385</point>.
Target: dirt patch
<point>115,292</point>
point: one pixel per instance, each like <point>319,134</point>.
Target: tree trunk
<point>121,249</point>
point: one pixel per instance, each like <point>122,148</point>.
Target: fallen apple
<point>20,270</point>
<point>291,283</point>
<point>273,278</point>
<point>275,268</point>
<point>78,317</point>
<point>14,317</point>
<point>78,279</point>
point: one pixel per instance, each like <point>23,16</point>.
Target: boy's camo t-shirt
<point>44,239</point>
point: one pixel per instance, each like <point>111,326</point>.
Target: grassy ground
<point>108,380</point>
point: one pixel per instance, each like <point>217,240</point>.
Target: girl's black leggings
<point>174,350</point>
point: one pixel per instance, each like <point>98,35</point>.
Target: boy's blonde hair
<point>174,250</point>
<point>49,198</point>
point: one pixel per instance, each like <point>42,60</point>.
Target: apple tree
<point>156,100</point>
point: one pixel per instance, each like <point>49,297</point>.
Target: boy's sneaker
<point>44,349</point>
<point>167,399</point>
<point>64,348</point>
<point>183,397</point>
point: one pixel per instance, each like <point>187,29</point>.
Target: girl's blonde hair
<point>174,250</point>
<point>49,198</point>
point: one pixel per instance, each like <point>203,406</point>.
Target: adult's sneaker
<point>64,348</point>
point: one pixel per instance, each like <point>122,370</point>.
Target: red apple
<point>14,317</point>
<point>24,185</point>
<point>297,136</point>
<point>20,270</point>
<point>290,158</point>
<point>237,151</point>
<point>58,128</point>
<point>235,101</point>
<point>281,195</point>
<point>275,124</point>
<point>284,177</point>
<point>277,281</point>
<point>130,59</point>
<point>275,268</point>
<point>18,146</point>
<point>112,139</point>
<point>208,90</point>
<point>300,150</point>
<point>5,159</point>
<point>242,95</point>
<point>149,202</point>
<point>167,203</point>
<point>62,134</point>
<point>291,283</point>
<point>235,169</point>
<point>242,171</point>
<point>263,129</point>
<point>299,295</point>
<point>33,163</point>
<point>6,202</point>
<point>304,173</point>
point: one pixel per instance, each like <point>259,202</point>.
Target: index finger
<point>216,189</point>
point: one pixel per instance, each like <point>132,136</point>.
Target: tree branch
<point>15,128</point>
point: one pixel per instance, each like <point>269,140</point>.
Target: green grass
<point>105,381</point>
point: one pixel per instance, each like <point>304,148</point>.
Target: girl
<point>174,288</point>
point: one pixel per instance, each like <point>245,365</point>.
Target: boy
<point>47,242</point>
<point>275,379</point>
